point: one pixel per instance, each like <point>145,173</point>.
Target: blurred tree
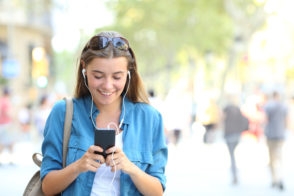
<point>248,16</point>
<point>168,35</point>
<point>160,30</point>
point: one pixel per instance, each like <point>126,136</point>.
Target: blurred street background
<point>201,62</point>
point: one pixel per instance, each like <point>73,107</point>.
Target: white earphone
<point>83,72</point>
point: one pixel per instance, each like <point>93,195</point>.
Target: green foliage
<point>159,30</point>
<point>168,35</point>
<point>170,26</point>
<point>3,81</point>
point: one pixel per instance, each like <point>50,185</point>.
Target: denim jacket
<point>143,143</point>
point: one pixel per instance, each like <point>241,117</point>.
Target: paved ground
<point>204,170</point>
<point>193,169</point>
<point>14,177</point>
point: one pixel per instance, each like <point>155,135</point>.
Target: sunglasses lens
<point>103,42</point>
<point>120,44</point>
<point>98,43</point>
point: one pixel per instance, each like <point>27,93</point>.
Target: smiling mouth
<point>105,93</point>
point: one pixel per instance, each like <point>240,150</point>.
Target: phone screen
<point>105,138</point>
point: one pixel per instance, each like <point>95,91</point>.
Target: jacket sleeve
<point>160,152</point>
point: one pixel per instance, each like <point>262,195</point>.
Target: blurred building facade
<point>25,46</point>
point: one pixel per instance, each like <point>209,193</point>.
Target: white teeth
<point>107,94</point>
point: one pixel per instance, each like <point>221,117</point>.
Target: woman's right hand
<point>58,180</point>
<point>91,161</point>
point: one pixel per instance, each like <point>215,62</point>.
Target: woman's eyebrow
<point>101,72</point>
<point>118,72</point>
<point>97,71</point>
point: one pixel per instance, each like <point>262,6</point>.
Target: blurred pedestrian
<point>234,124</point>
<point>6,134</point>
<point>177,114</point>
<point>154,100</point>
<point>41,114</point>
<point>210,119</point>
<point>290,121</point>
<point>157,103</point>
<point>25,118</point>
<point>253,108</point>
<point>275,132</point>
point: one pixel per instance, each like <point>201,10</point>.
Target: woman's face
<point>107,79</point>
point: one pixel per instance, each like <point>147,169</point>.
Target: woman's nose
<point>108,83</point>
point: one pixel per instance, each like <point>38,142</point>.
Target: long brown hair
<point>136,92</point>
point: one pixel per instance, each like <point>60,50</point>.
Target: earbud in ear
<point>129,74</point>
<point>83,72</point>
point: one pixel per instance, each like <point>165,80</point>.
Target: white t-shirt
<point>102,185</point>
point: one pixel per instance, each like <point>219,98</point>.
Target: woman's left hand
<point>145,183</point>
<point>118,160</point>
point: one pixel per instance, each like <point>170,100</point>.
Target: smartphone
<point>105,138</point>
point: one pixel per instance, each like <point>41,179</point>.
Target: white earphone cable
<point>94,124</point>
<point>108,127</point>
<point>111,183</point>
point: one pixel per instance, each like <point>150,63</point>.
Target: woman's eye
<point>98,77</point>
<point>117,78</point>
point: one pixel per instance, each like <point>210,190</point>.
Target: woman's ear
<point>83,64</point>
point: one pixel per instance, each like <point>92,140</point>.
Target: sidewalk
<point>14,177</point>
<point>195,168</point>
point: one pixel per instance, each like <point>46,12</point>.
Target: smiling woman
<point>109,92</point>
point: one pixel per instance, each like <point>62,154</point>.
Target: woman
<point>109,93</point>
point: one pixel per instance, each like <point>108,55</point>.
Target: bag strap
<point>37,158</point>
<point>67,128</point>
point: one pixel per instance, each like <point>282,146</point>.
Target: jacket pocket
<point>76,149</point>
<point>140,159</point>
<point>74,154</point>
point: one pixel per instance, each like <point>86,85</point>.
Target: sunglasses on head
<point>101,42</point>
